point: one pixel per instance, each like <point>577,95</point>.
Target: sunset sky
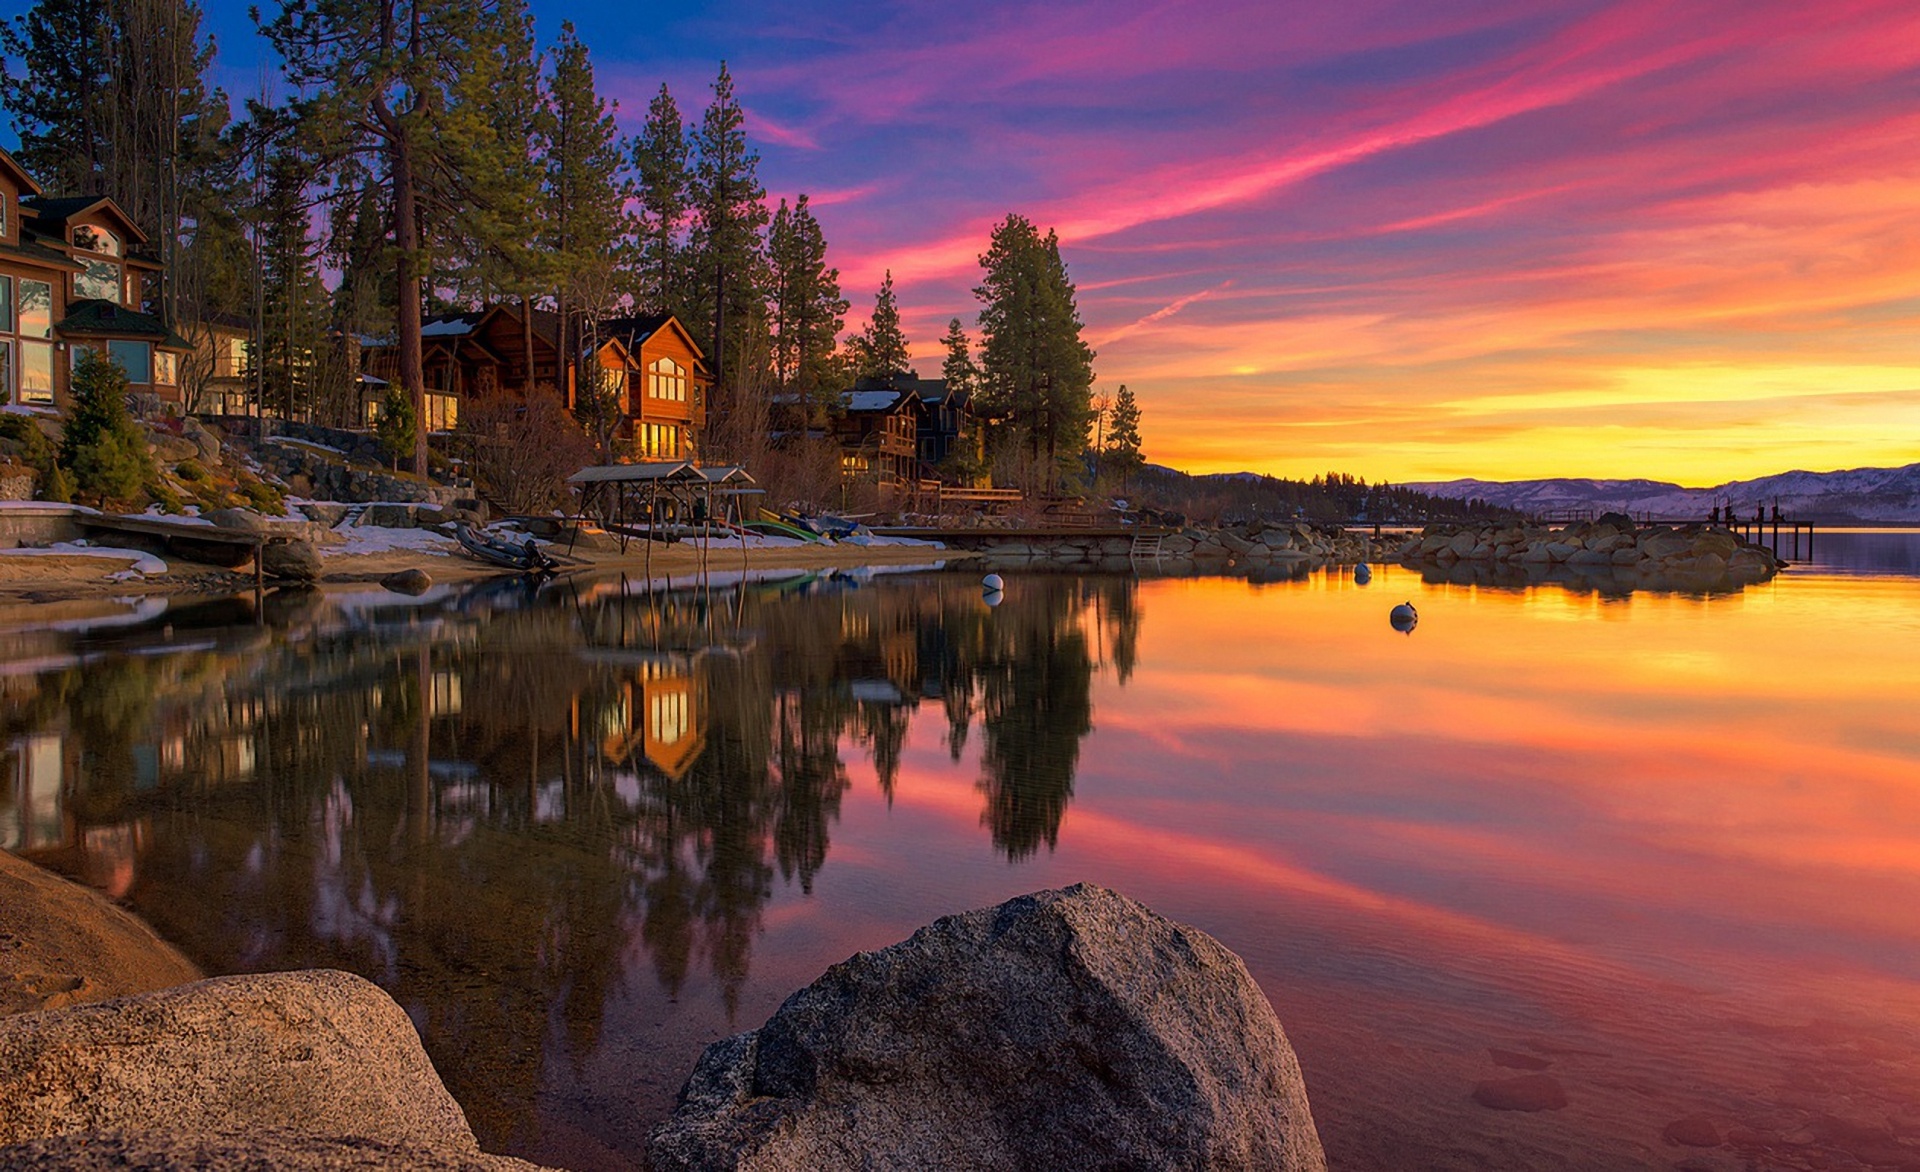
<point>1403,240</point>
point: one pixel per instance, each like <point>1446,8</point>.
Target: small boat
<point>526,558</point>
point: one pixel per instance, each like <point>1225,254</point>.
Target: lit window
<point>36,371</point>
<point>98,240</point>
<point>667,379</point>
<point>165,368</point>
<point>36,309</point>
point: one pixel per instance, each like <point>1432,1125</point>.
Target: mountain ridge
<point>1845,496</point>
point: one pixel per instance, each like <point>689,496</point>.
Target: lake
<point>1662,849</point>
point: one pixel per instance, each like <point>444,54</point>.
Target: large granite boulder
<point>296,561</point>
<point>1066,1029</point>
<point>320,1053</point>
<point>252,1151</point>
<point>63,944</point>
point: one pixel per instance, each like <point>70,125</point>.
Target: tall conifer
<point>663,170</point>
<point>881,348</point>
<point>1036,373</point>
<point>730,210</point>
<point>808,310</point>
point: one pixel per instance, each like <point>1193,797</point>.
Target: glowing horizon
<point>1611,239</point>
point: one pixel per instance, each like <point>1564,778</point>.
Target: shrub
<point>265,498</point>
<point>20,436</point>
<point>101,444</point>
<point>189,470</point>
<point>523,451</point>
<point>168,500</point>
<point>399,427</point>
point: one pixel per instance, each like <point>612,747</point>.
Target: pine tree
<point>292,301</point>
<point>100,442</point>
<point>807,308</point>
<point>588,229</point>
<point>1036,373</point>
<point>729,208</point>
<point>1123,436</point>
<point>394,84</point>
<point>961,373</point>
<point>881,348</point>
<point>662,164</point>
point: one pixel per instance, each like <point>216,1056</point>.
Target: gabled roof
<point>449,325</point>
<point>883,402</point>
<point>55,214</point>
<point>11,167</point>
<point>634,332</point>
<point>93,318</point>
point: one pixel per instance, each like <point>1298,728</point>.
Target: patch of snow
<point>379,539</point>
<point>143,563</point>
<point>49,507</point>
<point>289,441</point>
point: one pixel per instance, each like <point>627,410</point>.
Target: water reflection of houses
<point>658,715</point>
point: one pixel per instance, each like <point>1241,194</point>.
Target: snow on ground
<point>45,506</point>
<point>290,442</point>
<point>379,539</point>
<point>143,563</point>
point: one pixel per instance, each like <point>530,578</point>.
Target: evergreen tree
<point>1123,436</point>
<point>662,163</point>
<point>729,209</point>
<point>586,196</point>
<point>100,443</point>
<point>394,84</point>
<point>881,348</point>
<point>292,301</point>
<point>959,370</point>
<point>1036,373</point>
<point>807,308</point>
<point>399,429</point>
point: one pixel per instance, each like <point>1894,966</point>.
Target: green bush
<point>22,437</point>
<point>399,426</point>
<point>168,500</point>
<point>57,486</point>
<point>265,498</point>
<point>105,451</point>
<point>189,470</point>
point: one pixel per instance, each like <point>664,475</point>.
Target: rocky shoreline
<point>1065,1028</point>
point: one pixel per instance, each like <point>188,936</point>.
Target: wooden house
<point>666,400</point>
<point>72,279</point>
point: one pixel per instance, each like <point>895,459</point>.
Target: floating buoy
<point>1363,573</point>
<point>992,582</point>
<point>993,597</point>
<point>1404,618</point>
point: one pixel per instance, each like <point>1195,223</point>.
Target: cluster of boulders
<point>341,466</point>
<point>1263,542</point>
<point>1066,1029</point>
<point>1611,544</point>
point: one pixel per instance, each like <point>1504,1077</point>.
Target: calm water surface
<point>1661,849</point>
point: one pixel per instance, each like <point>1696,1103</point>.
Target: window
<point>443,412</point>
<point>6,371</point>
<point>667,379</point>
<point>92,239</point>
<point>100,282</point>
<point>6,305</point>
<point>36,310</point>
<point>660,441</point>
<point>136,358</point>
<point>165,368</point>
<point>36,371</point>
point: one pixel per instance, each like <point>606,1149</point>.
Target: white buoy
<point>993,597</point>
<point>1363,573</point>
<point>992,582</point>
<point>1404,618</point>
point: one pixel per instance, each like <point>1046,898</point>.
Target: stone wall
<point>40,523</point>
<point>333,476</point>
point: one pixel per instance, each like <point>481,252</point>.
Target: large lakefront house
<point>652,365</point>
<point>72,279</point>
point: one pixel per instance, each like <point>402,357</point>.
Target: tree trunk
<point>406,239</point>
<point>526,341</point>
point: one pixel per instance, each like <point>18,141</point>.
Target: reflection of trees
<point>462,804</point>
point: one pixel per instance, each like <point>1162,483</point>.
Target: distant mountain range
<point>1857,496</point>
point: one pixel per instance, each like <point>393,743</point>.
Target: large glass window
<point>136,358</point>
<point>96,240</point>
<point>443,412</point>
<point>6,305</point>
<point>101,281</point>
<point>165,368</point>
<point>36,309</point>
<point>36,371</point>
<point>6,371</point>
<point>667,379</point>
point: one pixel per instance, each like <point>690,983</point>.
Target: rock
<point>324,512</point>
<point>1527,1092</point>
<point>408,582</point>
<point>63,944</point>
<point>171,449</point>
<point>206,445</point>
<point>1066,1029</point>
<point>390,516</point>
<point>245,519</point>
<point>1619,521</point>
<point>16,483</point>
<point>1560,551</point>
<point>316,1052</point>
<point>255,1150</point>
<point>1695,1131</point>
<point>298,561</point>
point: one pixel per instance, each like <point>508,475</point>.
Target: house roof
<point>93,318</point>
<point>31,251</point>
<point>884,401</point>
<point>54,214</point>
<point>635,331</point>
<point>449,325</point>
<point>14,171</point>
